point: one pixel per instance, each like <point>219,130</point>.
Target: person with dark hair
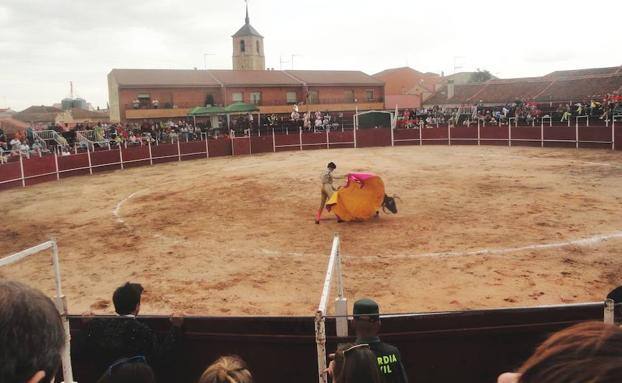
<point>32,337</point>
<point>129,370</point>
<point>589,352</point>
<point>327,188</point>
<point>109,339</point>
<point>355,364</point>
<point>227,369</point>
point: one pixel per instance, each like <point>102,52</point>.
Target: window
<point>237,97</point>
<point>348,95</point>
<point>369,95</point>
<point>292,98</point>
<point>242,46</point>
<point>255,98</point>
<point>258,48</point>
<point>313,97</point>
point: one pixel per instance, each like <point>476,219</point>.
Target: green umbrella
<point>240,107</point>
<point>206,111</point>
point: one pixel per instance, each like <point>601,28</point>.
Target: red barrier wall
<point>135,156</point>
<point>241,146</point>
<point>435,136</point>
<point>40,169</point>
<point>10,171</point>
<point>285,142</point>
<point>261,144</point>
<point>464,135</point>
<point>73,165</point>
<point>220,147</point>
<point>313,141</point>
<point>100,159</point>
<point>411,135</point>
<point>192,150</point>
<point>341,139</point>
<point>366,138</point>
<point>164,153</point>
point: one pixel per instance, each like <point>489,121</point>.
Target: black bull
<point>389,203</point>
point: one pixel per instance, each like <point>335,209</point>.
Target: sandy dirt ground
<point>478,227</point>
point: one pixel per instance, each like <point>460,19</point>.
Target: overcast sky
<point>46,43</point>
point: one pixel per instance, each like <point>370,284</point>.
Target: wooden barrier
<point>468,346</point>
<point>28,171</point>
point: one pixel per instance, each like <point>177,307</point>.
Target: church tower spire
<point>248,53</point>
<point>248,21</point>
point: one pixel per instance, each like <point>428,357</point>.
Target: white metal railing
<point>61,301</point>
<point>341,304</point>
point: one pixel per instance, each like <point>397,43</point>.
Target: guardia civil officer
<point>366,324</point>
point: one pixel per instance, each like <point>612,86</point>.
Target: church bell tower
<point>248,48</point>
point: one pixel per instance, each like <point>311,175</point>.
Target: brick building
<point>138,94</point>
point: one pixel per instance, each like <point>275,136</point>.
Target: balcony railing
<point>322,101</point>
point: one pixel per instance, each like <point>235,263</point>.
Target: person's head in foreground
<point>355,364</point>
<point>227,369</point>
<point>331,166</point>
<point>126,299</point>
<point>589,352</point>
<point>129,370</point>
<point>31,335</point>
<point>366,321</point>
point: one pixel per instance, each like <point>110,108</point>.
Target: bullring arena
<point>478,227</point>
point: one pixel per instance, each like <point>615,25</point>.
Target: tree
<point>480,76</point>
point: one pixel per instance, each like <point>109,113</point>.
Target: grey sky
<point>46,43</point>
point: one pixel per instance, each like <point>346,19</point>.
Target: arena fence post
<point>510,134</point>
<point>355,143</point>
<point>320,341</point>
<point>320,314</point>
<point>273,141</point>
<point>392,137</point>
<point>613,134</point>
<point>300,137</point>
<point>206,147</point>
<point>56,166</point>
<point>178,150</point>
<point>448,135</point>
<point>576,132</point>
<point>21,169</point>
<point>420,139</point>
<point>121,157</point>
<point>609,311</point>
<point>88,154</point>
<point>479,135</point>
<point>327,139</point>
<point>542,133</point>
<point>150,155</point>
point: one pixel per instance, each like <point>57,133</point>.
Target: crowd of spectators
<point>33,338</point>
<point>524,112</point>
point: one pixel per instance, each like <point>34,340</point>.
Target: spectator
<point>31,335</point>
<point>227,369</point>
<point>111,339</point>
<point>589,352</point>
<point>129,370</point>
<point>356,364</point>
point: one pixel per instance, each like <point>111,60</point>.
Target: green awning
<point>207,111</point>
<point>241,107</point>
